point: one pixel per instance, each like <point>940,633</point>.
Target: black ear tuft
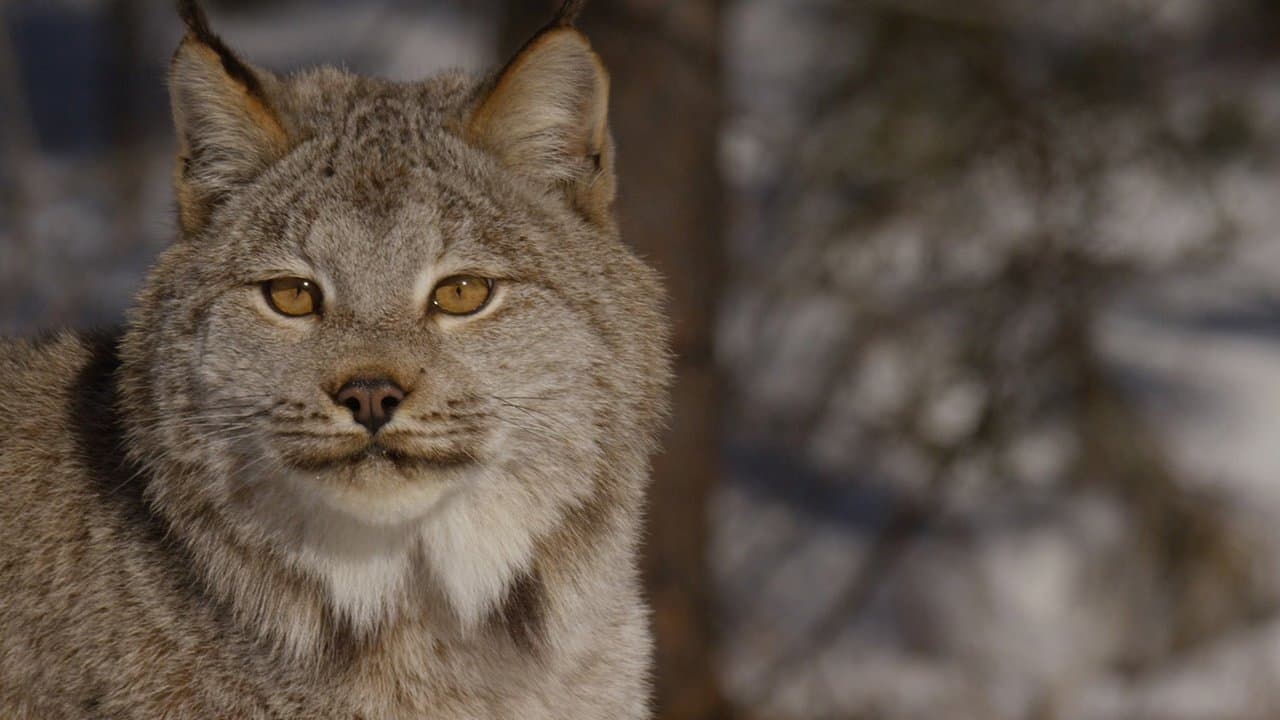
<point>569,12</point>
<point>195,19</point>
<point>197,22</point>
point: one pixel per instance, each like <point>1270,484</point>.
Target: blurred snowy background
<point>978,307</point>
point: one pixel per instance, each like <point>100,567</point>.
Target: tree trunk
<point>124,119</point>
<point>664,59</point>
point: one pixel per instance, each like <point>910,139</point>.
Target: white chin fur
<point>477,533</point>
<point>478,541</point>
<point>402,502</point>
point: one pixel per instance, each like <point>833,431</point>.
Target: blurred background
<point>977,307</point>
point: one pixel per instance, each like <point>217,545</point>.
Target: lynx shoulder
<point>374,440</point>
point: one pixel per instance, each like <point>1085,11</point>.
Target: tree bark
<point>125,122</point>
<point>664,59</point>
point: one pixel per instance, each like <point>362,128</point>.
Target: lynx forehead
<point>387,402</point>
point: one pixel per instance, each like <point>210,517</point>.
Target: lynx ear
<point>227,130</point>
<point>546,117</point>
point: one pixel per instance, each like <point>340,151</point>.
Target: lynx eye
<point>462,295</point>
<point>294,297</point>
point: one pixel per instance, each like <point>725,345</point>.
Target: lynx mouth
<point>375,455</point>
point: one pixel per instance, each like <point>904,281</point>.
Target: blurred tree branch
<point>947,121</point>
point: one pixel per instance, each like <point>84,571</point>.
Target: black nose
<point>371,402</point>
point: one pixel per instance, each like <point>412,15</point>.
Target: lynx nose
<point>371,402</point>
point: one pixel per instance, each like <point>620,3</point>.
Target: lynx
<point>375,438</point>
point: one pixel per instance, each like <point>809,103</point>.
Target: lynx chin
<point>375,440</point>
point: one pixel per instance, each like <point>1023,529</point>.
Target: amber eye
<point>462,295</point>
<point>294,297</point>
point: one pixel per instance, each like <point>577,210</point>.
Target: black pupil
<point>459,290</point>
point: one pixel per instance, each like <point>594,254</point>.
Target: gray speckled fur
<point>167,546</point>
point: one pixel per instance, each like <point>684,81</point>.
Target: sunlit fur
<point>193,527</point>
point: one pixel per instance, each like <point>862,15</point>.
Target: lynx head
<point>397,319</point>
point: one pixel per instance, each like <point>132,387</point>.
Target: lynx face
<point>398,321</point>
<point>501,387</point>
